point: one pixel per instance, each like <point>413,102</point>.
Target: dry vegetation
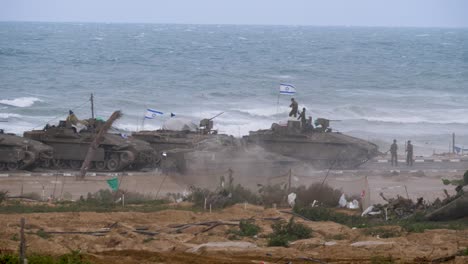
<point>96,229</point>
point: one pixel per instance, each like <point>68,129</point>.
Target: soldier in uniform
<point>72,119</point>
<point>302,117</point>
<point>409,153</point>
<point>393,151</point>
<point>294,106</point>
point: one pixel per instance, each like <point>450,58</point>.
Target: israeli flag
<point>287,89</point>
<point>151,113</point>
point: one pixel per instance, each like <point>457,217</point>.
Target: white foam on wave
<point>263,112</point>
<point>20,101</point>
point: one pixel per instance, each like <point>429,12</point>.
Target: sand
<point>122,245</point>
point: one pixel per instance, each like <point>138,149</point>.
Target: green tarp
<point>113,183</point>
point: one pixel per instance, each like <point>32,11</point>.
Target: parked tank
<point>318,146</point>
<point>21,153</point>
<point>71,143</point>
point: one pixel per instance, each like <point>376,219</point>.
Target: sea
<point>375,83</point>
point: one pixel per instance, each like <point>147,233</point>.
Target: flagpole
<point>277,104</point>
<point>144,117</point>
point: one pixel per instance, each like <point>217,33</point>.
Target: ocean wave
<point>20,101</point>
<point>262,112</point>
<point>12,52</point>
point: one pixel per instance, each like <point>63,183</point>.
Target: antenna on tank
<point>92,105</point>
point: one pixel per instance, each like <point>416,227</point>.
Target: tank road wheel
<point>100,165</point>
<point>2,166</point>
<point>46,163</point>
<point>11,166</point>
<point>113,164</point>
<point>57,164</point>
<point>127,157</point>
<point>29,157</point>
<point>75,164</point>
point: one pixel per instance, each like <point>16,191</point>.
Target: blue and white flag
<point>151,113</point>
<point>287,89</point>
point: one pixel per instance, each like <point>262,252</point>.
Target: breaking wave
<point>20,101</point>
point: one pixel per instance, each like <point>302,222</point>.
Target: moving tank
<point>71,143</point>
<point>18,153</point>
<point>178,134</point>
<point>319,146</point>
<point>191,149</point>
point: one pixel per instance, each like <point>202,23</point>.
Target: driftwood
<point>272,218</point>
<point>145,232</point>
<point>210,225</point>
<point>101,232</point>
<point>217,224</point>
<point>96,142</point>
<point>297,215</point>
<point>92,233</point>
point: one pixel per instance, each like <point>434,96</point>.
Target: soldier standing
<point>294,107</point>
<point>393,151</point>
<point>409,153</point>
<point>302,117</point>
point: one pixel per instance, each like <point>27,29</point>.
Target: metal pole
<point>92,105</point>
<point>453,143</point>
<point>289,180</point>
<point>22,247</point>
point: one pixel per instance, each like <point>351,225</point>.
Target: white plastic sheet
<point>342,202</point>
<point>292,199</point>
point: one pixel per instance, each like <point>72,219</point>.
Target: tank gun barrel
<point>216,116</point>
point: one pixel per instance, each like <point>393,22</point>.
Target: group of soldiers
<point>305,122</point>
<point>394,152</point>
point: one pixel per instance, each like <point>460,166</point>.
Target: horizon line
<point>229,24</point>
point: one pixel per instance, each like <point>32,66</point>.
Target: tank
<point>319,146</point>
<point>177,134</point>
<point>17,153</point>
<point>188,148</point>
<point>71,143</point>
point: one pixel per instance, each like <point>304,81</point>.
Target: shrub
<point>222,198</point>
<point>75,257</point>
<point>9,259</point>
<point>382,260</point>
<point>3,196</point>
<point>325,214</point>
<point>272,194</point>
<point>32,196</point>
<point>285,232</point>
<point>246,229</point>
<point>325,194</point>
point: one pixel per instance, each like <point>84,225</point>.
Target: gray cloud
<point>417,13</point>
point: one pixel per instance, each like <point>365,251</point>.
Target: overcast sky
<point>417,13</point>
